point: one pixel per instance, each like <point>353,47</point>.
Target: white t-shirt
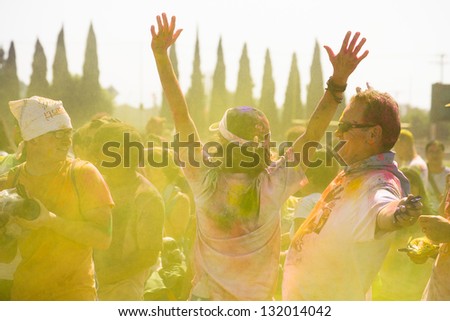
<point>304,206</point>
<point>440,180</point>
<point>236,257</point>
<point>419,164</point>
<point>336,253</point>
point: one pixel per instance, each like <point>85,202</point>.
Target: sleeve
<point>195,173</point>
<point>381,191</point>
<point>305,205</point>
<point>286,177</point>
<point>92,188</point>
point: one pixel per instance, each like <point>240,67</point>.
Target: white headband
<point>229,136</point>
<point>37,116</point>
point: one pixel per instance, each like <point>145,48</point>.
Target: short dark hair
<point>435,142</point>
<point>381,109</point>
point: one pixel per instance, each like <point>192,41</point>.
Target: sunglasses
<point>59,134</point>
<point>346,126</point>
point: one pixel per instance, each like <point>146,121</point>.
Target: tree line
<point>83,96</point>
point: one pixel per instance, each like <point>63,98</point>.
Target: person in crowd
<point>179,219</point>
<point>437,173</point>
<point>437,229</point>
<point>75,209</point>
<point>167,283</point>
<point>238,198</point>
<point>138,216</point>
<point>7,162</point>
<point>406,154</point>
<point>169,180</point>
<point>338,250</point>
<point>83,136</point>
<point>400,279</point>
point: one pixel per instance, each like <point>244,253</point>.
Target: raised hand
<point>346,60</point>
<point>166,34</point>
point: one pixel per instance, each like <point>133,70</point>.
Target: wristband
<point>332,87</point>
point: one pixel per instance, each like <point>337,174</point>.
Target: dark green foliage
<point>9,84</point>
<point>419,122</point>
<point>219,95</point>
<point>94,99</point>
<point>267,101</point>
<point>62,81</point>
<point>315,87</point>
<point>244,88</point>
<point>292,107</point>
<point>195,96</point>
<point>39,85</point>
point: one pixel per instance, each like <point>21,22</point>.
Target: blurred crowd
<point>367,220</point>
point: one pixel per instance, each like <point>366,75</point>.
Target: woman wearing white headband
<point>238,204</point>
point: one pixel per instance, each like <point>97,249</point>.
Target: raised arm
<point>344,63</point>
<point>161,41</point>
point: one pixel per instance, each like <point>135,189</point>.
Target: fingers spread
<point>152,30</point>
<point>172,24</point>
<point>359,46</point>
<point>345,42</point>
<point>160,26</point>
<point>353,42</point>
<point>329,52</point>
<point>364,55</point>
<point>177,33</point>
<point>165,21</point>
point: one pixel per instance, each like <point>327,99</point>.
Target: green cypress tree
<point>292,107</point>
<point>165,110</point>
<point>62,80</point>
<point>315,87</point>
<point>9,84</point>
<point>267,101</point>
<point>195,96</point>
<point>2,58</point>
<point>38,81</point>
<point>91,72</point>
<point>90,88</point>
<point>219,94</point>
<point>244,88</point>
<point>94,98</point>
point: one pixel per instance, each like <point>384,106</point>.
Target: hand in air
<point>166,34</point>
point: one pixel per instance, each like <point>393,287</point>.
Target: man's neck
<point>36,167</point>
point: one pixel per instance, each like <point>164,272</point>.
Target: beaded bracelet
<point>333,89</point>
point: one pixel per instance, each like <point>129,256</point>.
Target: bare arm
<point>149,243</point>
<point>436,228</point>
<point>161,41</point>
<point>344,63</point>
<point>94,230</point>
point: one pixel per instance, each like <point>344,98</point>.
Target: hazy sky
<point>405,38</point>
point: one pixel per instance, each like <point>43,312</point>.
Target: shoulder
<point>146,190</point>
<point>374,180</point>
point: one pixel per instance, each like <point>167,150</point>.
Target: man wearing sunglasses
<point>74,209</point>
<point>337,252</point>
